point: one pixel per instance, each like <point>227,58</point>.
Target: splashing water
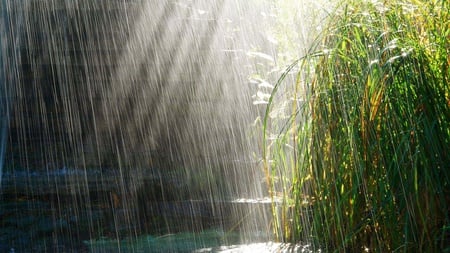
<point>127,118</point>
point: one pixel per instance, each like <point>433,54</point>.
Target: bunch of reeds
<point>362,161</point>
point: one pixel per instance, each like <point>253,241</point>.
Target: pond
<point>47,213</point>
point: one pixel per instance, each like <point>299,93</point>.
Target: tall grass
<point>362,159</point>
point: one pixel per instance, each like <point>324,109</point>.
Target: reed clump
<point>362,161</point>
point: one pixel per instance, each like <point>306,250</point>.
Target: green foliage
<point>368,160</point>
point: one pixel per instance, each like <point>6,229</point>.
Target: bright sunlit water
<point>129,124</point>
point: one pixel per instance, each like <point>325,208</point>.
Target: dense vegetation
<point>361,160</point>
